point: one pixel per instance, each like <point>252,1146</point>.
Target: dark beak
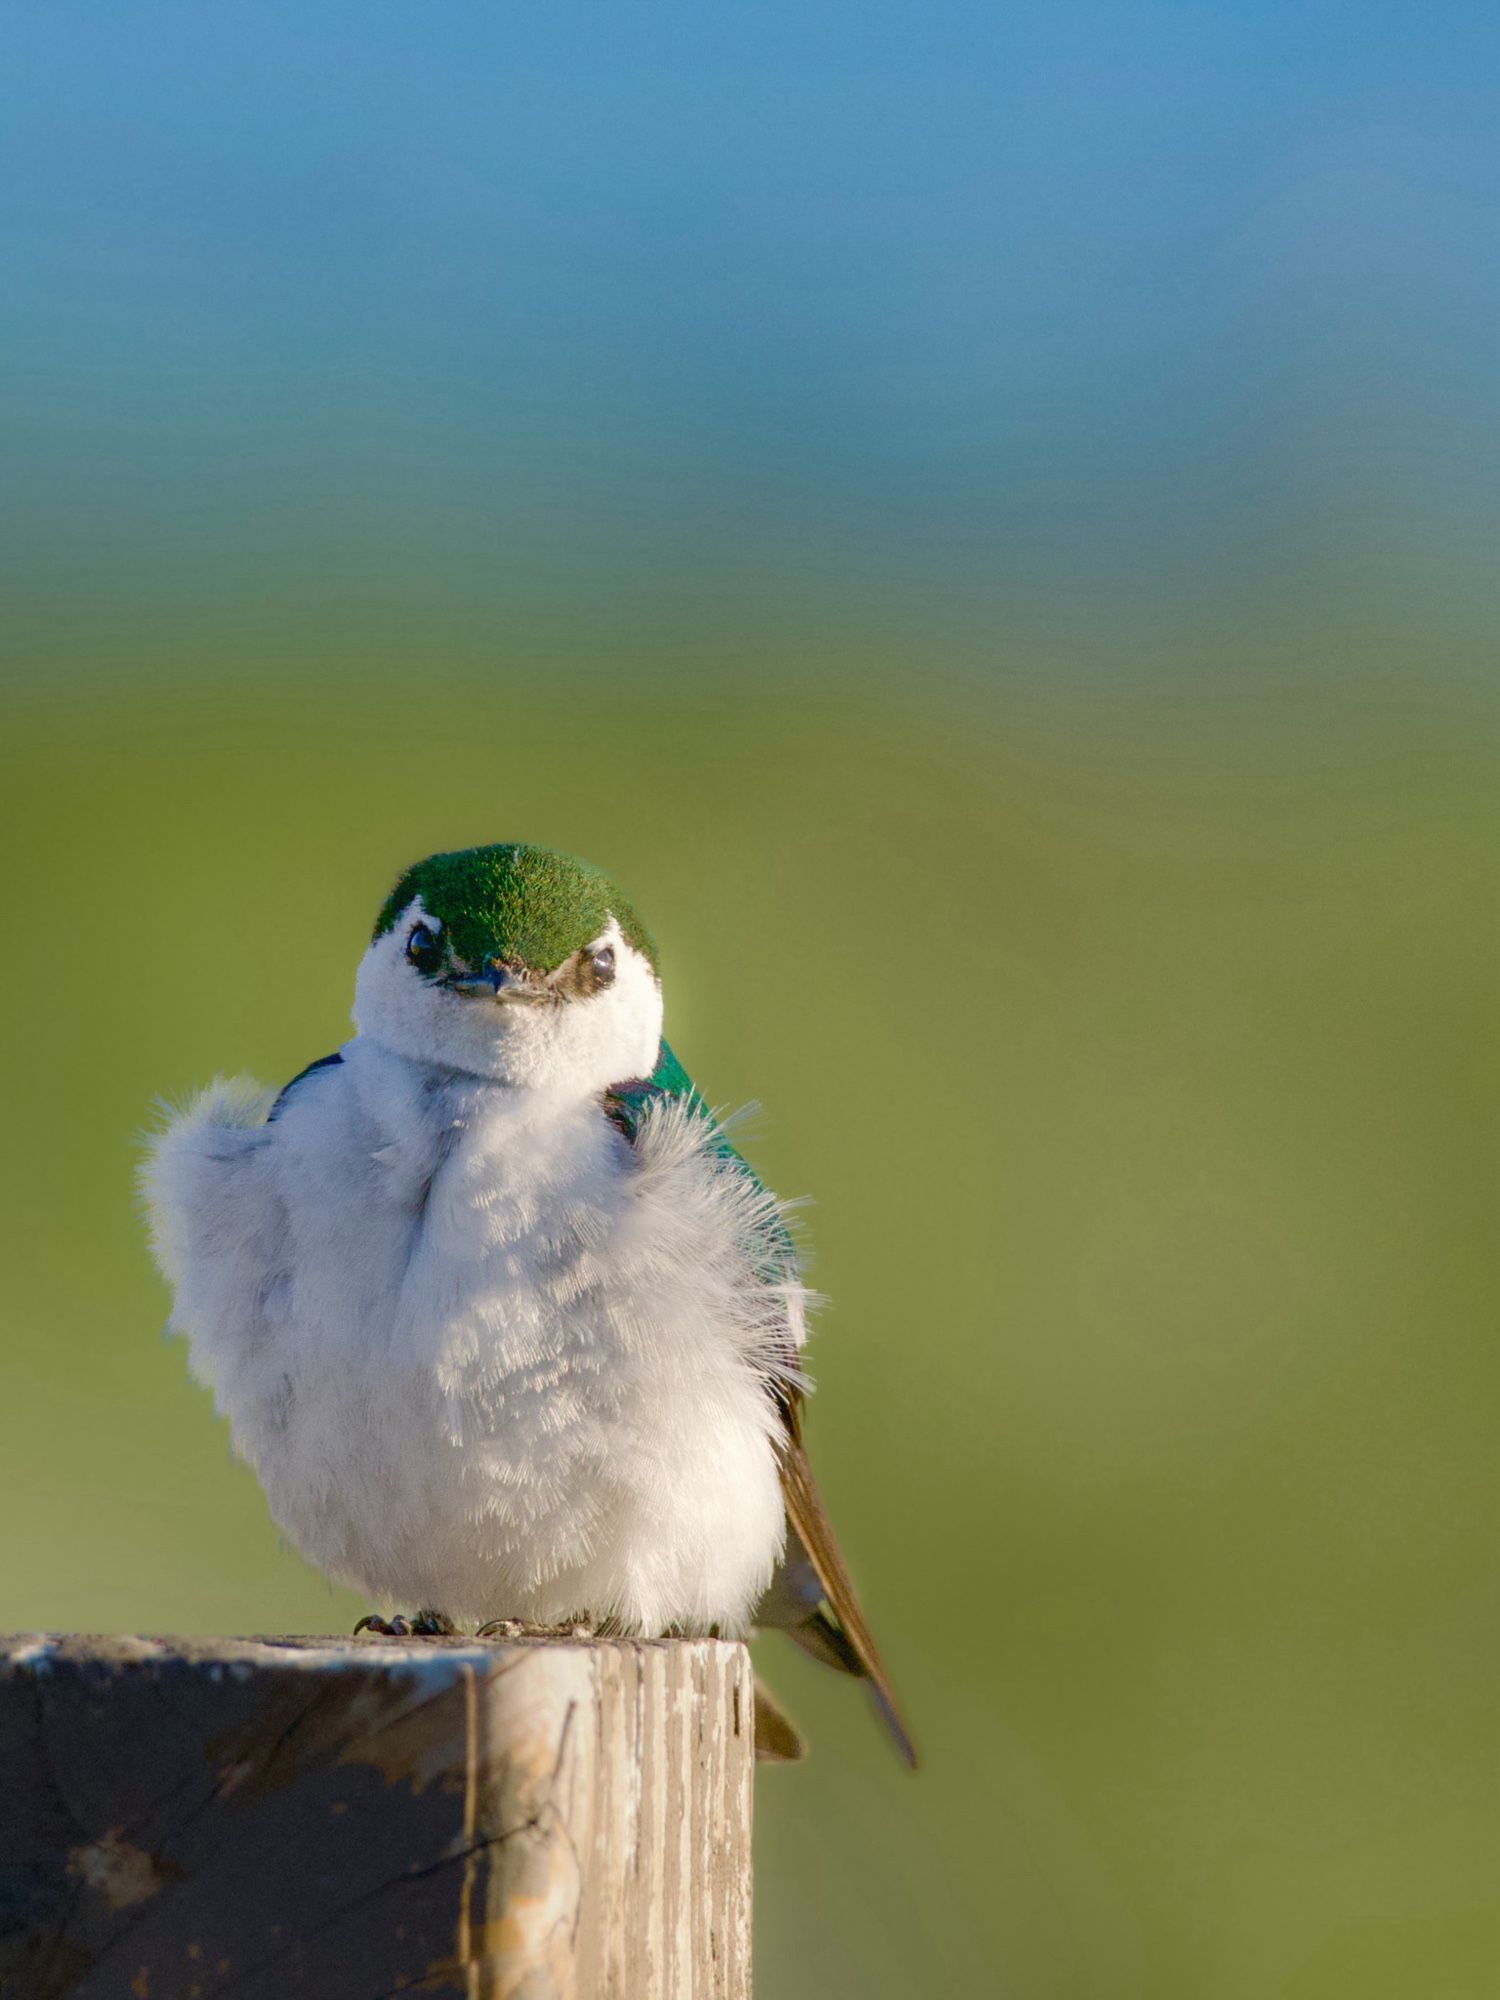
<point>501,979</point>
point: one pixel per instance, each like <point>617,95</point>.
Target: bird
<point>506,1326</point>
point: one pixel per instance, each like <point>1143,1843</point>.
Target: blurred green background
<point>987,529</point>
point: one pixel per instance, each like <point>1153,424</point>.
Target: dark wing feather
<point>807,1515</point>
<point>323,1062</point>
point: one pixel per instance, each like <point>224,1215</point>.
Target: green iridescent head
<point>517,904</point>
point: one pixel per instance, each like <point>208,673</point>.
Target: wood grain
<point>187,1819</point>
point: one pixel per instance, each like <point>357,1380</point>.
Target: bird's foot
<point>522,1628</point>
<point>425,1625</point>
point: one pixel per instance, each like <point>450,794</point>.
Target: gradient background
<point>985,520</point>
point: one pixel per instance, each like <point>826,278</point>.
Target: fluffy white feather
<point>484,1354</point>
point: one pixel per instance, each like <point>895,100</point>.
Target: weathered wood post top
<point>357,1818</point>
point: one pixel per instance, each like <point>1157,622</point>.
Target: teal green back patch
<point>515,902</point>
<point>625,1105</point>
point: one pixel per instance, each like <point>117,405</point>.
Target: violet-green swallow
<point>505,1326</point>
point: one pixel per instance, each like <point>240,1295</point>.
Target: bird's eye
<point>423,950</point>
<point>603,961</point>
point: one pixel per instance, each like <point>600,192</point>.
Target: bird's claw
<point>425,1625</point>
<point>521,1628</point>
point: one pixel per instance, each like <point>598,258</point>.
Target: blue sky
<point>968,314</point>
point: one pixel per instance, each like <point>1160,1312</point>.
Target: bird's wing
<point>323,1062</point>
<point>843,1640</point>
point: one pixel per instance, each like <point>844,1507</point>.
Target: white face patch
<point>577,1045</point>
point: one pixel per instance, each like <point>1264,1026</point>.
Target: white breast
<point>484,1355</point>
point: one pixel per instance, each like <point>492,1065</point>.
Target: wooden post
<point>181,1819</point>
